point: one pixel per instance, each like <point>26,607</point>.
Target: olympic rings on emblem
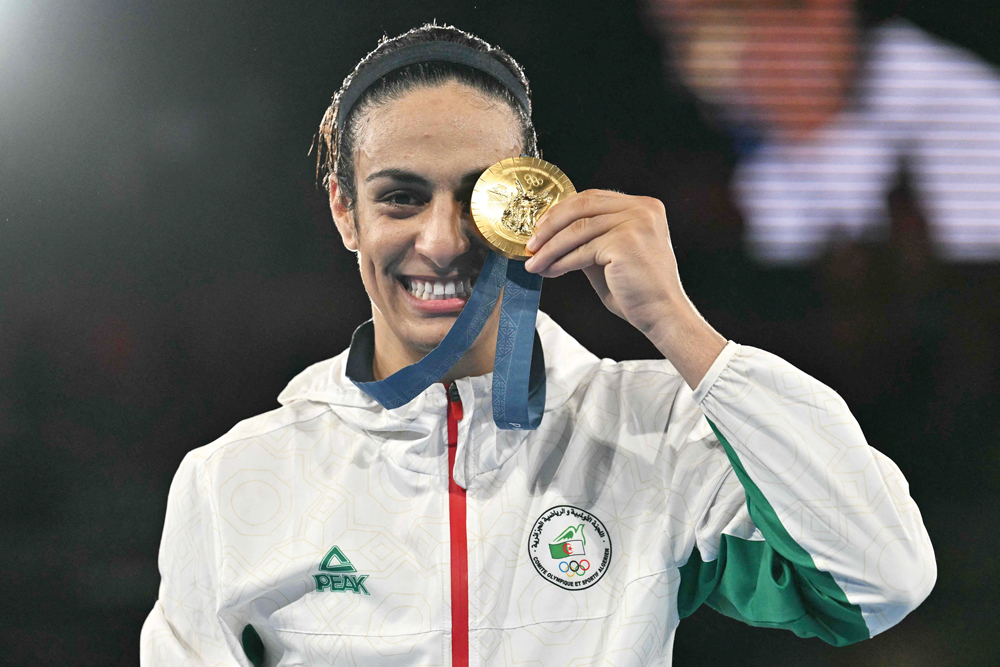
<point>574,568</point>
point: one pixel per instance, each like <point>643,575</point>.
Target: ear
<point>343,217</point>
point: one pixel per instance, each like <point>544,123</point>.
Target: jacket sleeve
<point>820,535</point>
<point>184,628</point>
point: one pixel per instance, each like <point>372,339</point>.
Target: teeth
<point>426,290</point>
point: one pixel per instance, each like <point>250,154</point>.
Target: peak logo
<point>337,575</point>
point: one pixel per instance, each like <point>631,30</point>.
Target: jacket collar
<point>361,356</point>
<point>408,434</point>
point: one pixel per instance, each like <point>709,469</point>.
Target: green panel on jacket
<point>772,583</point>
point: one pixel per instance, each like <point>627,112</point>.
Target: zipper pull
<point>454,401</point>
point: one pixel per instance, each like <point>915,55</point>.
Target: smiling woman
<point>416,161</point>
<point>400,159</point>
<point>422,532</point>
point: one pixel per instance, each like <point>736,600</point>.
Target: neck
<point>393,354</point>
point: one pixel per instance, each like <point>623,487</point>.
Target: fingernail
<point>529,264</point>
<point>532,244</point>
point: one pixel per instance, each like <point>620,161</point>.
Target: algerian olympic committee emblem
<point>569,547</point>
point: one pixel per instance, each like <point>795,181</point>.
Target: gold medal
<point>509,198</point>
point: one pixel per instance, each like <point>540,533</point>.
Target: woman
<point>334,531</point>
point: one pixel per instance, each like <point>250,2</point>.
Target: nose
<point>443,232</point>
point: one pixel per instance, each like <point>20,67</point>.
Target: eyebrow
<point>405,176</point>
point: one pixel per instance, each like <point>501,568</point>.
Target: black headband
<point>449,52</point>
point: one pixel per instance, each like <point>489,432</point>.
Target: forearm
<point>686,340</point>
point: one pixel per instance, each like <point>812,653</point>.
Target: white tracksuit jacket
<point>319,533</point>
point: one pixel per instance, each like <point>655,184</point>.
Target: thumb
<point>595,274</point>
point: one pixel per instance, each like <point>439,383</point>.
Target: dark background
<point>167,265</point>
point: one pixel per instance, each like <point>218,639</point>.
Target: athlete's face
<point>416,161</point>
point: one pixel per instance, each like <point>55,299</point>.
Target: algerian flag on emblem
<point>569,543</point>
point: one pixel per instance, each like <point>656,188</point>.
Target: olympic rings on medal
<point>574,568</point>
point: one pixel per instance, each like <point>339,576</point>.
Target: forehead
<point>437,128</point>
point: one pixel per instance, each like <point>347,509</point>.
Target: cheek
<point>381,247</point>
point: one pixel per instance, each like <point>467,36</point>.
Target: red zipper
<point>459,541</point>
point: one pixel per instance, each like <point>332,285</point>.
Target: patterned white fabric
<point>251,516</point>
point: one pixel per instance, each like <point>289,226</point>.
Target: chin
<point>425,336</point>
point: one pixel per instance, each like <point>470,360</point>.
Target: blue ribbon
<point>516,405</point>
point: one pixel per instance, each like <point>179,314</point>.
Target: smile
<point>437,289</point>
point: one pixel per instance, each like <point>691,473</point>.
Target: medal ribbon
<point>517,353</point>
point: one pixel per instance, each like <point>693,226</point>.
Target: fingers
<point>579,257</point>
<point>571,236</point>
<point>592,227</point>
<point>587,204</point>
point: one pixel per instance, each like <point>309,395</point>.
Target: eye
<point>401,198</point>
